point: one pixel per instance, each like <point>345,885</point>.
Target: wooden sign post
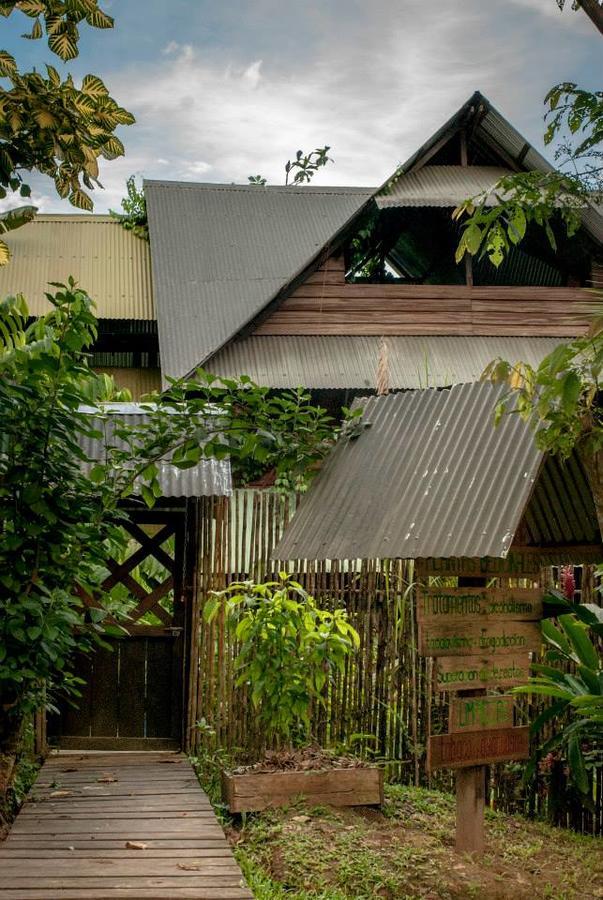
<point>480,639</point>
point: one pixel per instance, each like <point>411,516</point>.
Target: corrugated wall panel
<point>208,478</point>
<point>339,361</point>
<point>110,263</point>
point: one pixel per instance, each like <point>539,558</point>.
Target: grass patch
<point>405,851</point>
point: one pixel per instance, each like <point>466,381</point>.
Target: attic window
<point>416,245</point>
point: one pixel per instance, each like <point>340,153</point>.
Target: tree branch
<point>594,11</point>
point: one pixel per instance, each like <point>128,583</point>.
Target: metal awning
<point>431,476</point>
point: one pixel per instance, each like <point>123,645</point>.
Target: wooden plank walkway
<point>70,840</point>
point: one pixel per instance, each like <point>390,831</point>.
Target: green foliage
<point>521,198</point>
<point>56,524</point>
<point>52,529</point>
<point>59,21</point>
<point>283,431</point>
<point>47,123</point>
<point>302,168</point>
<point>289,651</point>
<point>575,119</point>
<point>572,676</point>
<point>560,397</point>
<point>134,216</point>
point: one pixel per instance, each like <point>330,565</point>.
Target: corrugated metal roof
<point>486,122</point>
<point>221,253</point>
<point>561,509</point>
<point>210,477</point>
<point>341,361</point>
<point>110,263</point>
<point>431,477</point>
<point>441,186</point>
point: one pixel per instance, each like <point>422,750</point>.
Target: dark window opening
<point>412,245</point>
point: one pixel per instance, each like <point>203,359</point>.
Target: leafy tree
<point>56,523</point>
<point>302,168</point>
<point>47,123</point>
<point>289,651</point>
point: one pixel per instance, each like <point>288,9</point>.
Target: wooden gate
<point>132,698</point>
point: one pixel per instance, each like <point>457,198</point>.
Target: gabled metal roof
<point>210,477</point>
<point>486,123</point>
<point>221,253</point>
<point>432,477</point>
<point>110,263</point>
<point>345,361</point>
<point>441,186</point>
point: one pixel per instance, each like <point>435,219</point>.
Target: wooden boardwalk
<point>70,840</point>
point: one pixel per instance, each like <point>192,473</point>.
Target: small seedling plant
<point>289,652</point>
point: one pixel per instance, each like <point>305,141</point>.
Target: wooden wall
<point>326,304</point>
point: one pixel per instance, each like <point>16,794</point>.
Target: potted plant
<point>289,651</point>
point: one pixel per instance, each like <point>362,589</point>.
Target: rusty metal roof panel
<point>210,477</point>
<point>431,476</point>
<point>110,263</point>
<point>221,253</point>
<point>342,361</point>
<point>443,186</point>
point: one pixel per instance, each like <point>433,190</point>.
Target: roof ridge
<point>257,188</point>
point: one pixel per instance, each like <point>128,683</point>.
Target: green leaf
<point>64,43</point>
<point>16,218</point>
<point>99,19</point>
<point>80,199</point>
<point>555,637</point>
<point>473,238</point>
<point>8,66</point>
<point>571,388</point>
<point>581,644</point>
<point>35,33</point>
<point>517,225</point>
<point>93,86</point>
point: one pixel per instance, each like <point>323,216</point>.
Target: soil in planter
<point>312,758</point>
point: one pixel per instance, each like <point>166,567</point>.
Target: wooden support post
<point>470,783</point>
<point>470,805</point>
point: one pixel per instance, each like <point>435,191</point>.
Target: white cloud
<point>373,81</point>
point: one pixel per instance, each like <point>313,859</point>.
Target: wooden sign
<point>515,565</point>
<point>437,605</point>
<point>480,713</point>
<point>468,672</point>
<point>463,636</point>
<point>477,748</point>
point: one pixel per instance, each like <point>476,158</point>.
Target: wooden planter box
<point>254,791</point>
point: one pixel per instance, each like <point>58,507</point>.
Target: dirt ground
<point>405,851</point>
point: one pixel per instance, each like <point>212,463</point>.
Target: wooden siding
<point>326,304</point>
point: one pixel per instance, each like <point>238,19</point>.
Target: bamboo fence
<point>383,705</point>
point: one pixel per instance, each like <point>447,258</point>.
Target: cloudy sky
<point>224,90</point>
